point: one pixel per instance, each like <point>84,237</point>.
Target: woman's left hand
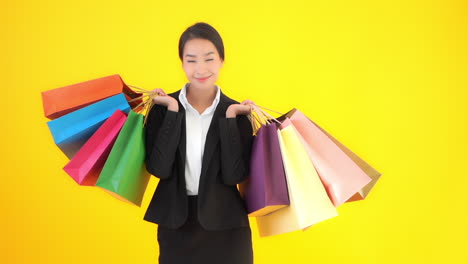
<point>239,109</point>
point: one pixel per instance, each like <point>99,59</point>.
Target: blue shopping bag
<point>72,130</point>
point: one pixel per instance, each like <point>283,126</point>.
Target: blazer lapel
<point>183,137</point>
<point>212,136</point>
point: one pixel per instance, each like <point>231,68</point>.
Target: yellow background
<point>387,78</point>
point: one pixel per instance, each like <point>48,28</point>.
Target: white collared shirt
<point>197,126</point>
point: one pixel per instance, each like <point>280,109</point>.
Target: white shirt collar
<point>185,103</point>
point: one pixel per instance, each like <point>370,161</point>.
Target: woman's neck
<point>200,99</point>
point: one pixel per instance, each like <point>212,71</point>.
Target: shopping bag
<point>72,130</point>
<point>309,202</point>
<point>265,190</point>
<point>60,101</point>
<point>124,174</point>
<point>88,162</point>
<point>363,165</point>
<point>340,175</point>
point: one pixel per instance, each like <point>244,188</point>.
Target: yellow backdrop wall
<point>387,78</point>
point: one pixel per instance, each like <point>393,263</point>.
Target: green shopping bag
<point>124,174</point>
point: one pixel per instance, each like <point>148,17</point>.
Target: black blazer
<point>225,163</point>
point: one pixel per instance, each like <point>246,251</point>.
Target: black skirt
<point>191,244</point>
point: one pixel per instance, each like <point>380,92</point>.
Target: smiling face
<point>201,63</point>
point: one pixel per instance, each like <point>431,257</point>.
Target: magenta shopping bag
<point>88,162</point>
<point>266,189</point>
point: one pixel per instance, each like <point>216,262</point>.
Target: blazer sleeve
<point>163,130</point>
<point>236,144</point>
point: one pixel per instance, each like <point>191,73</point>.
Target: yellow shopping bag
<point>309,201</point>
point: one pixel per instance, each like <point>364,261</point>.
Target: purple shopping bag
<point>266,189</point>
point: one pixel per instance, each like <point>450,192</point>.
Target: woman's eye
<point>205,60</point>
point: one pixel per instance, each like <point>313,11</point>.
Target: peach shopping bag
<point>340,175</point>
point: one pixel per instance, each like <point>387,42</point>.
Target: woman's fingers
<point>247,102</point>
<point>247,106</point>
<point>159,92</point>
<point>244,109</point>
<point>168,101</point>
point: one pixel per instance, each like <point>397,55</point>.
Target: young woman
<point>198,143</point>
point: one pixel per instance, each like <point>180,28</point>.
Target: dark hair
<point>204,31</point>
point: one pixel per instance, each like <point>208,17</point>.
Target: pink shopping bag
<point>366,167</point>
<point>88,162</point>
<point>340,175</point>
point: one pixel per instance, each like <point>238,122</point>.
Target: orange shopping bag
<point>60,101</point>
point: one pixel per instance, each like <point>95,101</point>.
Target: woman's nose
<point>201,72</point>
<point>200,69</point>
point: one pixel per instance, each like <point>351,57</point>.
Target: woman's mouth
<point>203,79</point>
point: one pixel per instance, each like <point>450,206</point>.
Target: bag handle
<point>254,121</point>
<point>147,101</point>
<point>258,117</point>
<point>265,115</point>
<point>141,90</point>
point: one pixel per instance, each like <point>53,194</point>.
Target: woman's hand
<point>239,109</point>
<point>163,99</point>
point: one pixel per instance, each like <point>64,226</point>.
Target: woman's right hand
<point>163,99</point>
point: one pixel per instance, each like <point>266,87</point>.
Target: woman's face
<point>201,63</point>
